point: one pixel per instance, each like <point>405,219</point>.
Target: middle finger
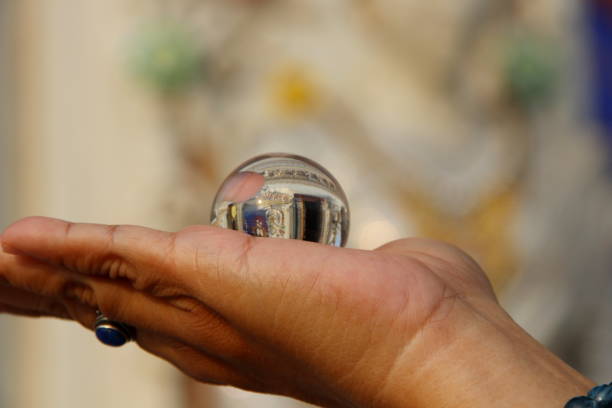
<point>179,316</point>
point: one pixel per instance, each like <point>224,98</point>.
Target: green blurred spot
<point>532,72</point>
<point>166,57</point>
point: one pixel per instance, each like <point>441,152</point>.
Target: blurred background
<point>485,123</point>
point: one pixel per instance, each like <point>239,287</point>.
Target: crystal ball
<point>283,196</point>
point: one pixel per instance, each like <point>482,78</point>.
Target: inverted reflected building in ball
<point>283,196</point>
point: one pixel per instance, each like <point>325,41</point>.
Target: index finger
<point>137,254</point>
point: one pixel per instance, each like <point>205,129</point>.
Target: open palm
<point>331,326</point>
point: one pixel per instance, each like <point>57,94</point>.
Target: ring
<point>114,334</point>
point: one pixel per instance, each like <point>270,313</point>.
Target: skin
<point>413,324</point>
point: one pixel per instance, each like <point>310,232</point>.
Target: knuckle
<point>204,321</point>
<point>225,251</point>
<point>246,248</point>
<point>68,229</point>
<point>79,292</point>
<point>113,231</point>
<point>115,268</point>
<point>84,315</point>
<point>36,278</point>
<point>237,254</point>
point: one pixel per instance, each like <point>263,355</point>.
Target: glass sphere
<point>283,196</point>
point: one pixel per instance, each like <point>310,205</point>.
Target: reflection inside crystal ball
<point>283,196</point>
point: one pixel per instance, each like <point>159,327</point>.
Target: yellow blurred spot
<point>485,232</point>
<point>294,92</point>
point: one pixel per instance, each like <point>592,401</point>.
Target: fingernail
<point>242,186</point>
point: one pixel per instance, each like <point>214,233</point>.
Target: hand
<point>413,324</point>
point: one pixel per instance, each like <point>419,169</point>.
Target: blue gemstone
<point>602,394</point>
<point>110,337</point>
<point>581,402</point>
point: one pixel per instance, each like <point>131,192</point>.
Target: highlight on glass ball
<point>283,196</point>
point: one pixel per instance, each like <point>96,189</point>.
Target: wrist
<point>475,360</point>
